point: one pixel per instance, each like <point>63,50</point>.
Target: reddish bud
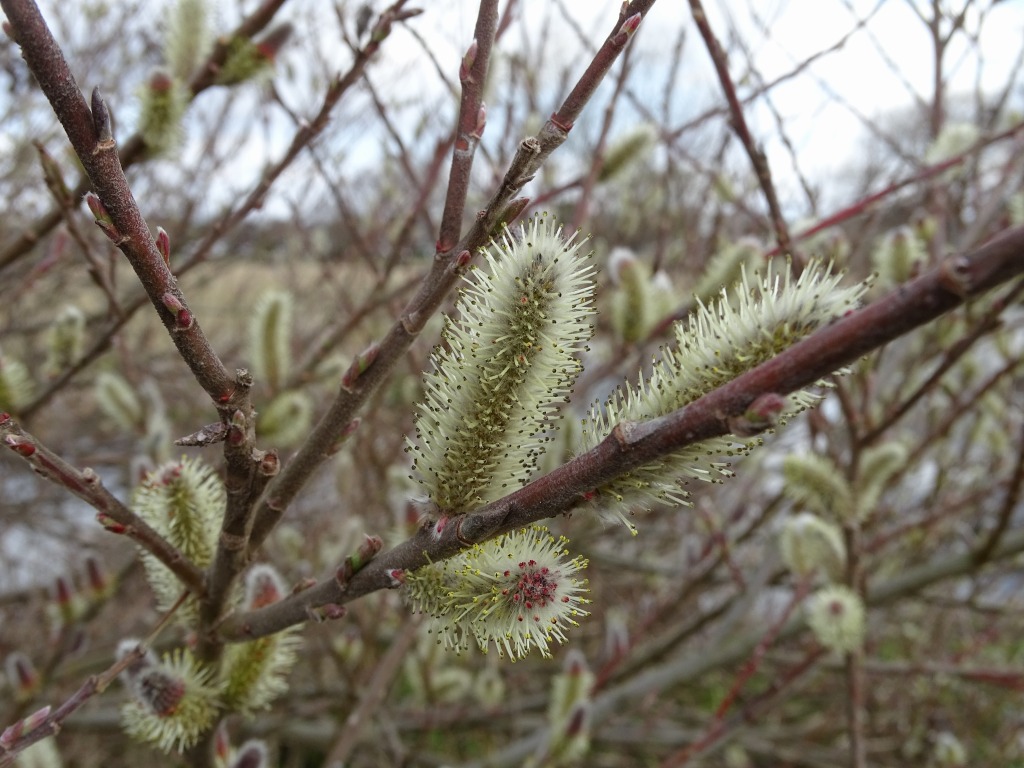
<point>462,259</point>
<point>263,588</point>
<point>172,303</point>
<point>328,612</point>
<point>20,445</point>
<point>222,743</point>
<point>184,320</point>
<point>36,719</point>
<point>110,523</point>
<point>512,211</point>
<point>270,45</point>
<point>577,720</point>
<point>367,551</point>
<point>99,584</point>
<point>22,674</point>
<point>363,361</point>
<point>438,528</point>
<point>237,428</point>
<point>627,30</point>
<point>102,218</point>
<point>397,577</point>
<point>163,245</point>
<point>303,585</point>
<point>467,61</point>
<point>64,597</point>
<point>159,691</point>
<point>4,418</point>
<point>252,754</point>
<point>101,122</point>
<point>270,464</point>
<point>63,592</point>
<point>762,414</point>
<point>481,121</point>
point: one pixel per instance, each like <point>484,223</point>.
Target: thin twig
<point>113,514</point>
<point>758,159</point>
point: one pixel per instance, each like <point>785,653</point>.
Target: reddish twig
<point>758,159</point>
<point>718,723</point>
<point>113,514</point>
<point>45,722</point>
<point>471,121</point>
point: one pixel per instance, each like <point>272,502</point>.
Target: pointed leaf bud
<point>102,218</point>
<point>762,414</point>
<point>359,366</point>
<point>101,122</point>
<point>110,523</point>
<point>163,245</point>
<point>100,585</point>
<point>467,61</point>
<point>481,121</point>
<point>53,176</point>
<point>627,30</point>
<point>327,612</point>
<point>65,599</point>
<point>22,676</point>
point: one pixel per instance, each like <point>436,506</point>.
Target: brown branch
<point>633,444</point>
<point>988,323</point>
<point>113,514</point>
<point>471,122</point>
<point>739,124</point>
<point>117,212</point>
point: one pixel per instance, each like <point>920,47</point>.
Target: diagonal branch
<point>113,514</point>
<point>633,444</point>
<point>739,124</point>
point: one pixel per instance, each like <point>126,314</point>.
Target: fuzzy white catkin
<point>505,366</point>
<point>745,327</point>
